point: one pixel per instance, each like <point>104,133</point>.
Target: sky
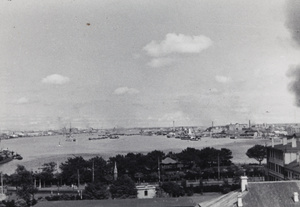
<point>145,63</point>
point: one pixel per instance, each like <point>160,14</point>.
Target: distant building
<point>250,134</point>
<point>293,130</point>
<point>169,164</point>
<point>146,191</point>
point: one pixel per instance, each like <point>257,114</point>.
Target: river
<point>38,150</point>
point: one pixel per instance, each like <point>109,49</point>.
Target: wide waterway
<point>38,150</point>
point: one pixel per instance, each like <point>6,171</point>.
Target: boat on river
<point>69,136</point>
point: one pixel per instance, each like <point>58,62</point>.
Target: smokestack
<point>249,124</point>
<point>294,143</point>
<point>240,200</point>
<point>173,126</point>
<point>292,23</point>
<point>296,197</point>
<point>272,142</point>
<point>284,141</point>
<point>244,183</point>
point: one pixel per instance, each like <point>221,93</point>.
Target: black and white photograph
<point>149,103</point>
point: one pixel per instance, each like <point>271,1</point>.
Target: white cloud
<point>22,100</point>
<point>125,90</point>
<point>55,79</point>
<point>180,43</point>
<point>222,79</point>
<point>160,62</point>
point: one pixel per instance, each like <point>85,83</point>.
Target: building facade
<point>283,160</point>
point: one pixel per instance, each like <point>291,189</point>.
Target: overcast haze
<point>144,63</point>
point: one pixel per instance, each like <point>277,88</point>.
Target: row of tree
<point>98,174</point>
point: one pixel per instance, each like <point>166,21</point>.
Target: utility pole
<point>2,187</point>
<point>218,166</point>
<point>93,172</point>
<point>158,169</point>
<point>78,178</point>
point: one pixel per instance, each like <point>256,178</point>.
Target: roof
<point>275,194</point>
<point>295,166</point>
<point>228,199</point>
<point>288,147</point>
<point>168,160</point>
<point>262,194</point>
<point>157,202</point>
<point>296,135</point>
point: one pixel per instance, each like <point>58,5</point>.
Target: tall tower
<point>115,172</point>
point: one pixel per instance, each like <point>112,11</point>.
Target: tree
<point>47,174</point>
<point>23,180</point>
<point>173,189</point>
<point>258,152</point>
<point>123,187</point>
<point>96,191</point>
<point>99,169</point>
<point>75,167</point>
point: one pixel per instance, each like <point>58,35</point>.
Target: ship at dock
<point>7,156</point>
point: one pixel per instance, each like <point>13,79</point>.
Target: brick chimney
<point>240,200</point>
<point>272,142</point>
<point>284,141</point>
<point>294,143</point>
<point>296,197</point>
<point>244,183</point>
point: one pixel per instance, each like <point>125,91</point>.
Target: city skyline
<point>106,64</point>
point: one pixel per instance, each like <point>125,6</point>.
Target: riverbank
<point>39,150</point>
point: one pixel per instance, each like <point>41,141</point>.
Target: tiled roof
<point>157,202</point>
<point>168,160</point>
<point>288,147</point>
<point>274,194</point>
<point>229,199</point>
<point>295,166</point>
<point>261,194</point>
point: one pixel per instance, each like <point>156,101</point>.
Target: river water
<point>38,150</point>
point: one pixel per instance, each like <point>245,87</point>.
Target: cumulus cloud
<point>125,90</point>
<point>222,79</point>
<point>180,43</point>
<point>160,62</point>
<point>22,100</point>
<point>55,79</point>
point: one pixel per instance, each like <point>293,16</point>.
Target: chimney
<point>272,142</point>
<point>296,197</point>
<point>240,201</point>
<point>294,143</point>
<point>284,141</point>
<point>244,183</point>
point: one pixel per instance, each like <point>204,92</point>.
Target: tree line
<point>98,174</point>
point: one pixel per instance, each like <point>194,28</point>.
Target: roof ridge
<point>281,181</point>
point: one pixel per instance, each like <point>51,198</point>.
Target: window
<point>145,193</point>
